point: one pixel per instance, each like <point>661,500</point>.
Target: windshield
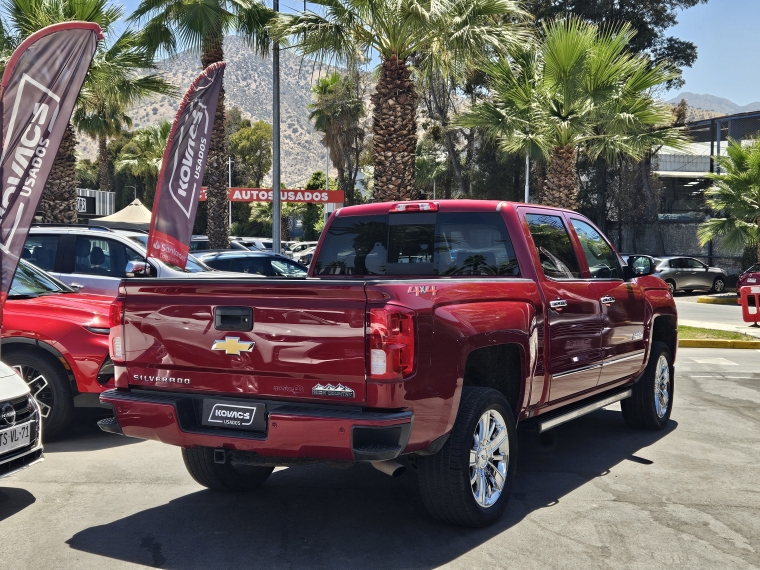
<point>288,268</point>
<point>31,282</point>
<point>193,265</point>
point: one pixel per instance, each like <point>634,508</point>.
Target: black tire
<point>719,285</point>
<point>671,284</point>
<point>50,386</point>
<point>640,410</point>
<point>199,462</point>
<point>444,478</point>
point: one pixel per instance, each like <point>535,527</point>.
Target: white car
<point>94,259</point>
<point>20,427</point>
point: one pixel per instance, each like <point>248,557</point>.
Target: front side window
<point>41,250</point>
<point>602,260</point>
<point>448,244</point>
<point>98,256</point>
<point>555,250</point>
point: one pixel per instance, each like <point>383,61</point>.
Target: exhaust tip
<point>391,468</point>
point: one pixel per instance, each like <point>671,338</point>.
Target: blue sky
<point>726,34</point>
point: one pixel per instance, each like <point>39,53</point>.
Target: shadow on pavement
<point>14,500</point>
<point>84,435</point>
<point>319,517</point>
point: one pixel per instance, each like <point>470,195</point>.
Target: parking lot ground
<point>595,494</point>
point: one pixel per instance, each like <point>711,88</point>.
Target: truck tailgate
<point>306,340</point>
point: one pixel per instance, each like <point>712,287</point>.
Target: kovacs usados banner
<point>39,87</point>
<point>181,177</point>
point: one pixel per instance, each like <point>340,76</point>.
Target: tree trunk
<point>217,227</point>
<point>394,128</point>
<point>643,165</point>
<point>561,190</point>
<point>105,174</point>
<point>59,199</point>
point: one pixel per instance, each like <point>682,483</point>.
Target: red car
<point>750,277</point>
<point>57,339</point>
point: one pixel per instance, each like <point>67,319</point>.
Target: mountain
<point>717,105</point>
<point>248,85</point>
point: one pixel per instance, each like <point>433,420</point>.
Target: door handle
<point>558,304</point>
<point>76,285</point>
<point>233,318</point>
<point>607,300</point>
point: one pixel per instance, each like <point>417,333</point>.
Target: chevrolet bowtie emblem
<point>232,345</point>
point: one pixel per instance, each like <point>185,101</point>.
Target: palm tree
<point>114,86</point>
<point>170,25</point>
<point>143,155</point>
<point>578,89</point>
<point>432,34</point>
<point>337,112</point>
<point>736,194</point>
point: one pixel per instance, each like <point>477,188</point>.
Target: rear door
<point>621,303</point>
<point>574,319</point>
<point>300,337</point>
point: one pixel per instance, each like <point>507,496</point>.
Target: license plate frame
<point>10,440</point>
<point>233,414</point>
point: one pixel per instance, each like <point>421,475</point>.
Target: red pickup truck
<point>427,330</point>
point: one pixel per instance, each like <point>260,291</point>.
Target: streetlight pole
<point>527,176</point>
<point>276,203</point>
<point>229,185</point>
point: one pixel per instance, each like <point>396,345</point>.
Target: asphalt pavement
<point>703,315</point>
<point>596,494</point>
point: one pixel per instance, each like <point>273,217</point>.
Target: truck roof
<point>379,208</point>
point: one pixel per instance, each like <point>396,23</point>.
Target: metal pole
<point>527,176</point>
<point>327,168</point>
<point>276,203</point>
<point>229,185</point>
<point>720,133</point>
<point>433,188</point>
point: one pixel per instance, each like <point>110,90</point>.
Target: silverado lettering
<point>426,330</point>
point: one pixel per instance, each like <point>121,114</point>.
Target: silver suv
<point>95,259</point>
<point>687,273</point>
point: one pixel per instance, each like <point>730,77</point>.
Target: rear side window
<point>555,250</point>
<point>454,244</point>
<point>41,250</point>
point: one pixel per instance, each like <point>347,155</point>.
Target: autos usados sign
<point>40,85</point>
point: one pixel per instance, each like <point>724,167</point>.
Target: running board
<point>554,421</point>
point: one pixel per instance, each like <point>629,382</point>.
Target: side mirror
<point>640,265</point>
<point>137,269</point>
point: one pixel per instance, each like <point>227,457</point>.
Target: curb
<point>718,300</point>
<point>704,343</point>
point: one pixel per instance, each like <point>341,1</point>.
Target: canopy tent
<point>134,217</point>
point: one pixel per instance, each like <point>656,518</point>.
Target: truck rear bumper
<point>336,433</point>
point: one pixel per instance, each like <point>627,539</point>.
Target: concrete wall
<point>679,239</point>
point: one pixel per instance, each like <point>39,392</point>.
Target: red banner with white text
<point>39,88</point>
<point>286,195</point>
<point>181,176</point>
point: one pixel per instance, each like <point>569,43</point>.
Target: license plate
<point>234,415</point>
<point>751,280</point>
<point>15,437</point>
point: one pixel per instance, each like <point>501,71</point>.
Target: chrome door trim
<point>576,371</point>
<point>610,361</point>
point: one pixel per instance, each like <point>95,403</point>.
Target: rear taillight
<point>115,321</point>
<point>391,343</point>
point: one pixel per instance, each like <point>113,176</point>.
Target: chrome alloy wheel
<point>489,458</point>
<point>662,387</point>
<point>39,386</point>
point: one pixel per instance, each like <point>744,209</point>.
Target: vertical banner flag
<point>181,177</point>
<point>39,87</point>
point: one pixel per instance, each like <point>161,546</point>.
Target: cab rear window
<point>425,244</point>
